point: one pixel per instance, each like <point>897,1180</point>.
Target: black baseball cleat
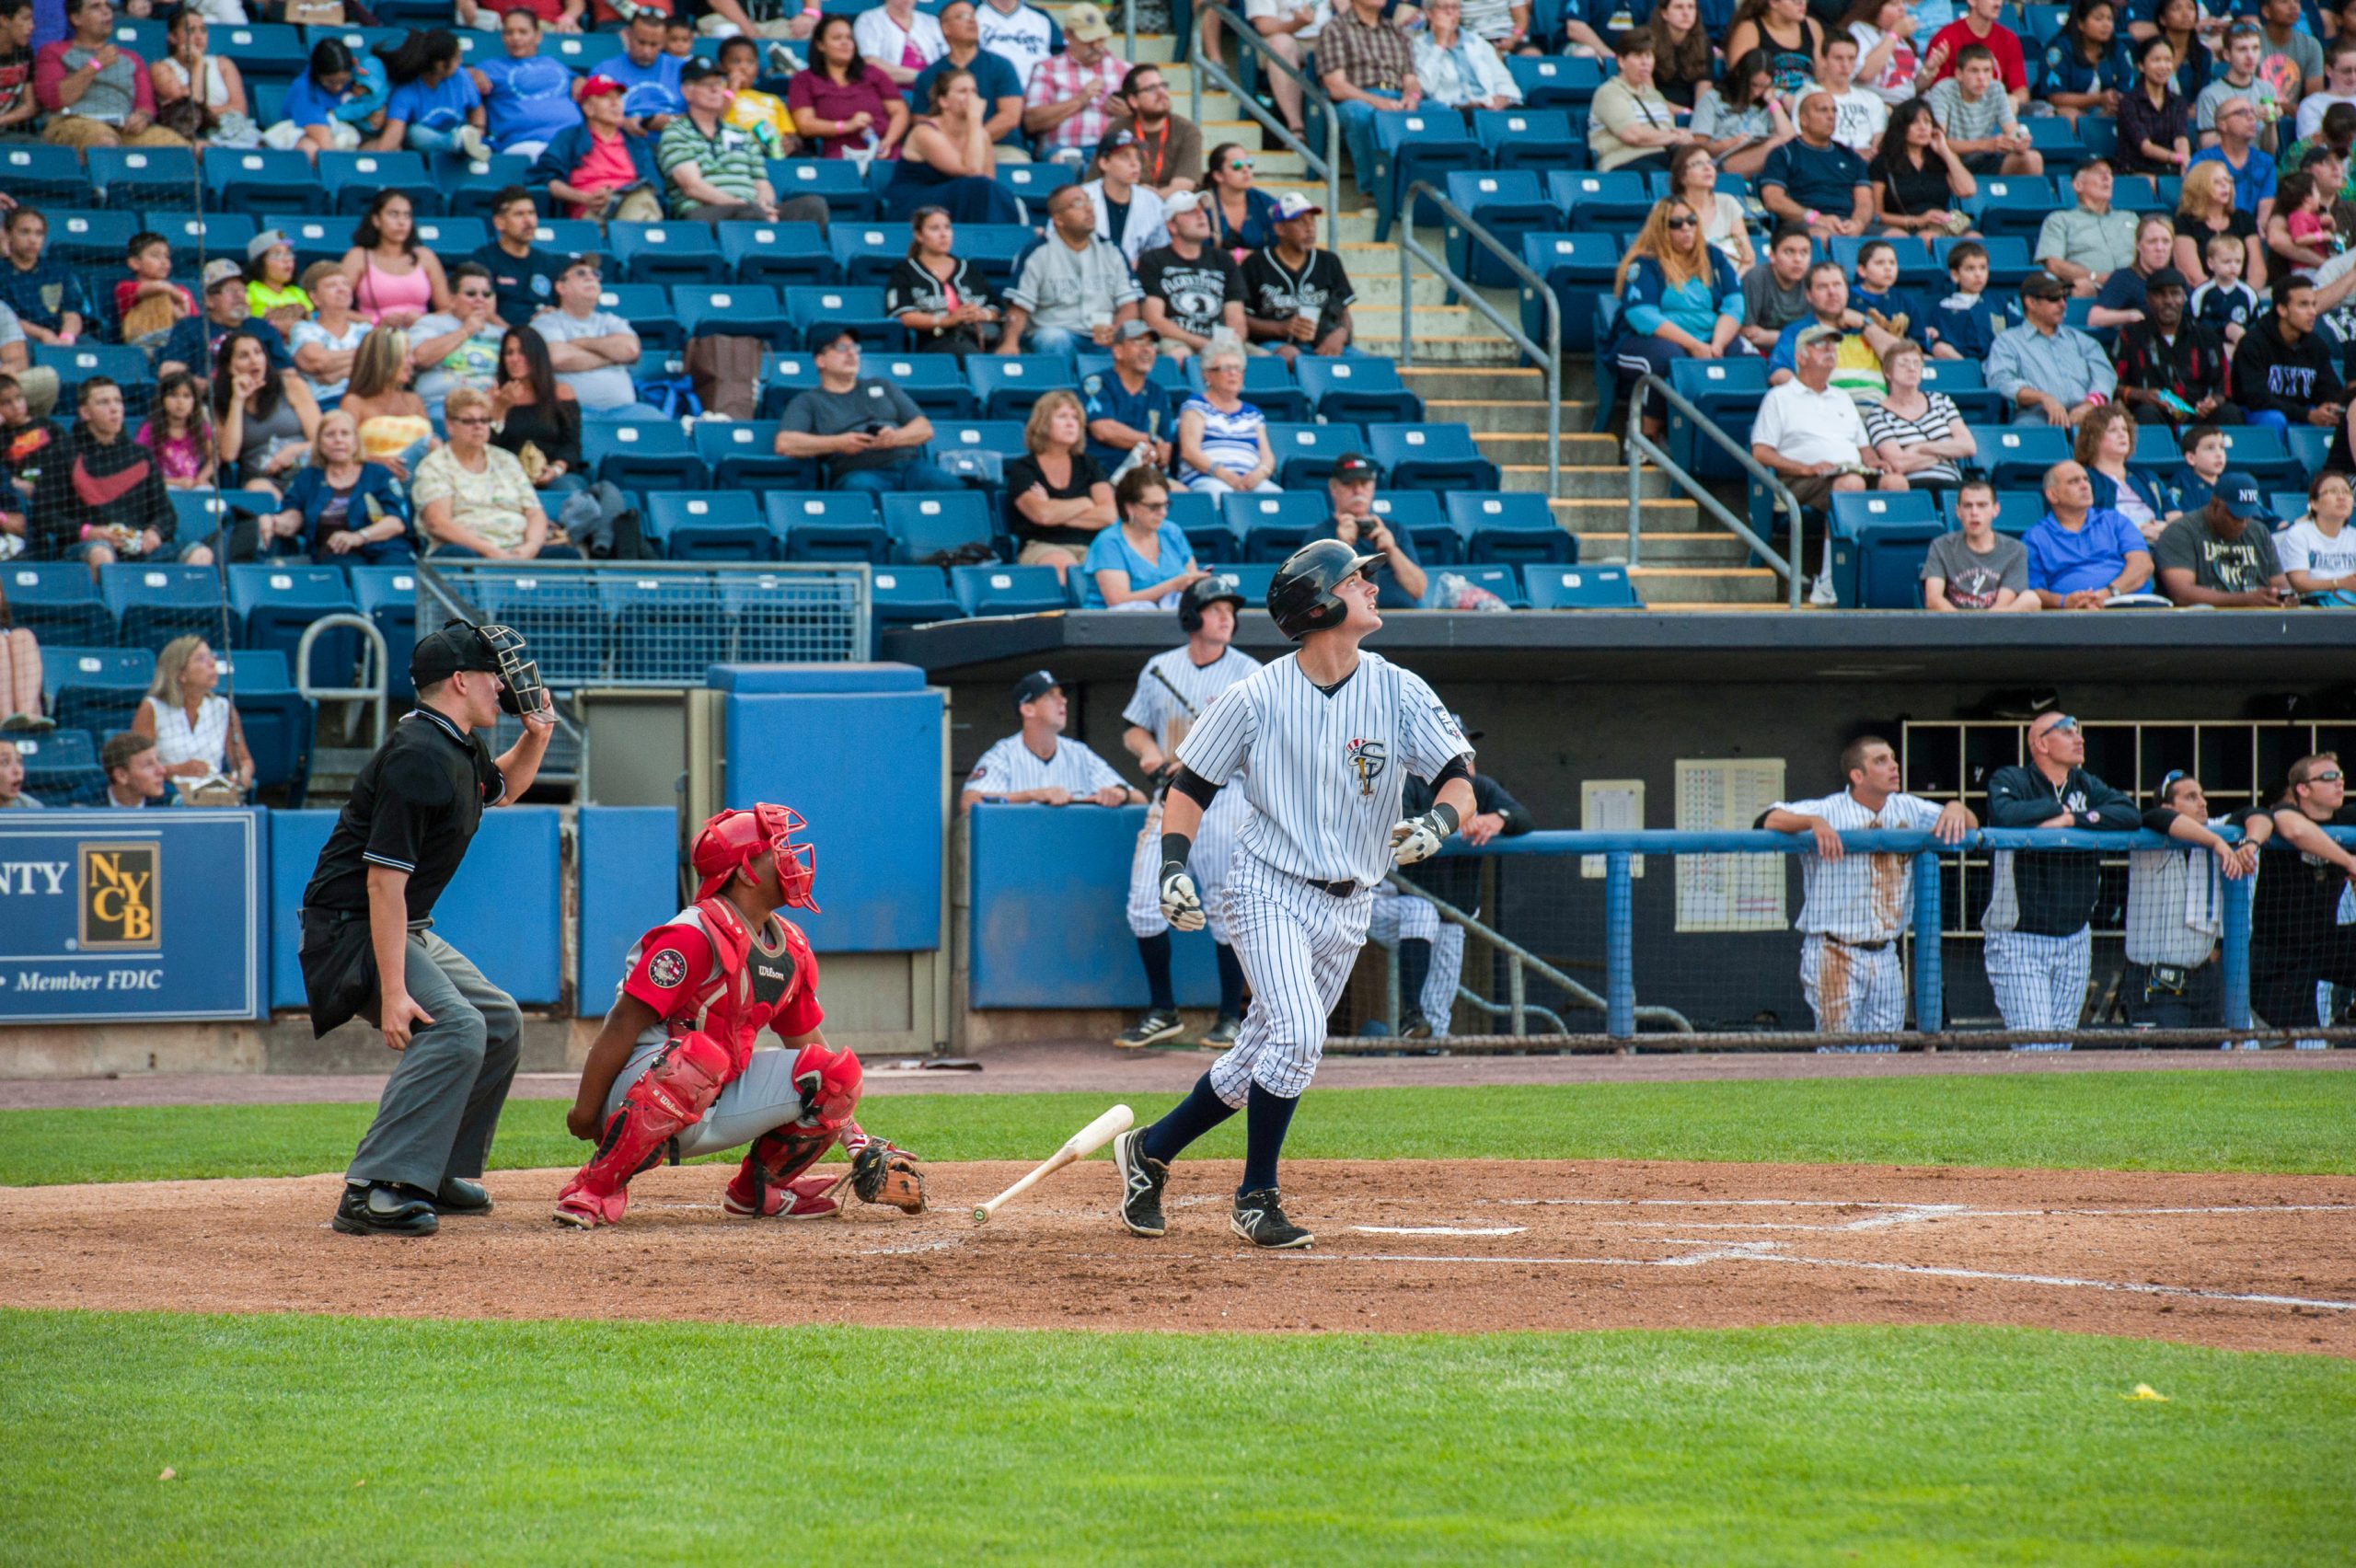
<point>384,1208</point>
<point>458,1195</point>
<point>1152,1030</point>
<point>1260,1221</point>
<point>1141,1183</point>
<point>1414,1025</point>
<point>1223,1033</point>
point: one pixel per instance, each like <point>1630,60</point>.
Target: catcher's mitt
<point>882,1174</point>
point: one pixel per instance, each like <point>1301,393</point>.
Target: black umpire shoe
<point>1414,1025</point>
<point>460,1196</point>
<point>1260,1221</point>
<point>1152,1030</point>
<point>1141,1183</point>
<point>384,1208</point>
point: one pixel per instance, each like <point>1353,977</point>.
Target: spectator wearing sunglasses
<point>1241,214</point>
<point>2296,940</point>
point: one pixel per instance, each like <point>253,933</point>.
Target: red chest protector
<point>749,986</point>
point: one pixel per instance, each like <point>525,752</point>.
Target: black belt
<point>1861,946</point>
<point>1332,889</point>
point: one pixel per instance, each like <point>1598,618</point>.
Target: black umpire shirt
<point>2296,902</point>
<point>414,808</point>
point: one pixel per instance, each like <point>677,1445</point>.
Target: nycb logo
<point>119,897</point>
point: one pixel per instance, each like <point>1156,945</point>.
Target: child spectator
<point>1875,290</point>
<point>24,440</point>
<point>271,292</point>
<point>2224,302</point>
<point>1964,325</point>
<point>12,772</point>
<point>678,37</point>
<point>2308,205</point>
<point>180,434</point>
<point>2204,465</point>
<point>147,303</point>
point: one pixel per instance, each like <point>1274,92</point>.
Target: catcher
<point>673,1070</point>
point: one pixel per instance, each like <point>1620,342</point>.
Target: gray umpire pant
<point>442,1104</point>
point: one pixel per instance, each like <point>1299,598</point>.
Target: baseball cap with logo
<point>699,69</point>
<point>1112,141</point>
<point>2239,492</point>
<point>220,269</point>
<point>1085,23</point>
<point>265,242</point>
<point>2044,286</point>
<point>1293,204</point>
<point>1130,330</point>
<point>1817,332</point>
<point>1185,201</point>
<point>1353,466</point>
<point>598,86</point>
<point>1033,687</point>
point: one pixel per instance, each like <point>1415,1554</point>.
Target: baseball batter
<point>1322,738</point>
<point>1174,691</point>
<point>674,1069</point>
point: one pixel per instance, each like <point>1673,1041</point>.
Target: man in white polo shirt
<point>1812,436</point>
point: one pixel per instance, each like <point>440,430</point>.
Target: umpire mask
<point>521,689</point>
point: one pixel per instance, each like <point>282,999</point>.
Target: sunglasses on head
<point>2063,723</point>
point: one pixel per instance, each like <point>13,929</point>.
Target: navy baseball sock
<point>1230,981</point>
<point>1265,1117</point>
<point>1415,968</point>
<point>1192,1117</point>
<point>1155,950</point>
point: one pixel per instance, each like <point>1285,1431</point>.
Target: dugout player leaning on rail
<point>2176,908</point>
<point>368,944</point>
<point>2296,940</point>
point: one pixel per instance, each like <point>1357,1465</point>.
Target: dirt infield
<point>2257,1263</point>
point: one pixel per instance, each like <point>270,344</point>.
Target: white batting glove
<point>1418,838</point>
<point>1181,904</point>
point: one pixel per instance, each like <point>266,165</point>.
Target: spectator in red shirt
<point>96,93</point>
<point>147,303</point>
<point>1976,24</point>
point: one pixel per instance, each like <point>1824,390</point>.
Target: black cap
<point>1352,466</point>
<point>1115,139</point>
<point>440,654</point>
<point>2166,278</point>
<point>1033,687</point>
<point>698,68</point>
<point>2044,286</point>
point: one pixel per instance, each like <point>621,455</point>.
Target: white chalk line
<point>1440,1229</point>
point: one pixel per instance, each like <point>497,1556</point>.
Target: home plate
<point>1438,1230</point>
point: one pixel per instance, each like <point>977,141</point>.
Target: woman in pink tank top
<point>394,280</point>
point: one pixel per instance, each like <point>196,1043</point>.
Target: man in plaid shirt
<point>1074,96</point>
<point>1367,68</point>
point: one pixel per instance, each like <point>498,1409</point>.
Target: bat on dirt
<point>1080,1145</point>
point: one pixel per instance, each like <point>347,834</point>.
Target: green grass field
<point>2277,1121</point>
<point>326,1440</point>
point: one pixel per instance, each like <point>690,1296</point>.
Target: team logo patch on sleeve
<point>667,968</point>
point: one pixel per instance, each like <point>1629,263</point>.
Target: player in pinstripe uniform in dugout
<point>1323,738</point>
<point>1857,907</point>
<point>2176,908</point>
<point>2039,945</point>
<point>1042,764</point>
<point>1174,691</point>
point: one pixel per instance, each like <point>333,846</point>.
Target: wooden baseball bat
<point>1080,1145</point>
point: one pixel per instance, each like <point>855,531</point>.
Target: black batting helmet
<point>1202,594</point>
<point>1301,595</point>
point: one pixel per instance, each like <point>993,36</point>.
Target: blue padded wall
<point>629,858</point>
<point>1050,891</point>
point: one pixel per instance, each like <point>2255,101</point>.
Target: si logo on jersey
<point>667,968</point>
<point>1367,758</point>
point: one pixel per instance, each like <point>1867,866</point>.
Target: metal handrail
<point>1639,445</point>
<point>1129,30</point>
<point>1549,359</point>
<point>1329,164</point>
<point>375,669</point>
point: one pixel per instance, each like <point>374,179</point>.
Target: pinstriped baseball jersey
<point>1011,766</point>
<point>1859,898</point>
<point>1153,707</point>
<point>1325,772</point>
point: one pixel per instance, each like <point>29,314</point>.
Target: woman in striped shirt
<point>1222,439</point>
<point>1920,434</point>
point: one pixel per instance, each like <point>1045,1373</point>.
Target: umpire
<point>368,944</point>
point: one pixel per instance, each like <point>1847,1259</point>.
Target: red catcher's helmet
<point>733,839</point>
<point>829,1081</point>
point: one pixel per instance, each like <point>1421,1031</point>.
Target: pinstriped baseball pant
<point>1207,863</point>
<point>2041,982</point>
<point>1297,945</point>
<point>1853,991</point>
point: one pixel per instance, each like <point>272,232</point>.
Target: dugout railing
<point>1679,940</point>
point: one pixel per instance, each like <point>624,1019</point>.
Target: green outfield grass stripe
<point>589,1442</point>
<point>2287,1122</point>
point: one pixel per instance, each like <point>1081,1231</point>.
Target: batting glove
<point>1181,904</point>
<point>1418,838</point>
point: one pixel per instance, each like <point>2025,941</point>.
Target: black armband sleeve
<point>1194,787</point>
<point>1455,770</point>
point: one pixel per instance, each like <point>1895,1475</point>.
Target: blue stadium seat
<point>865,253</point>
<point>265,51</point>
<point>1432,457</point>
<point>1416,514</point>
<point>2020,454</point>
<point>1505,582</point>
<point>471,187</point>
<point>387,596</point>
<point>1007,384</point>
<point>155,604</point>
<point>2041,24</point>
<point>776,254</point>
<point>925,526</point>
<point>249,179</point>
<point>934,383</point>
<point>279,722</point>
<point>1913,255</point>
<point>643,455</point>
<point>647,307</point>
<point>129,178</point>
<point>1268,386</point>
<point>666,252</point>
<point>1275,525</point>
<point>146,37</point>
<point>1356,390</point>
<point>78,362</point>
<point>913,595</point>
<point>1729,393</point>
<point>1499,526</point>
<point>836,180</point>
<point>1591,201</point>
<point>819,311</point>
<point>1001,436</point>
<point>2018,511</point>
<point>1559,82</point>
<point>2310,447</point>
<point>57,602</point>
<point>2014,204</point>
<point>560,614</point>
<point>832,525</point>
<point>1032,183</point>
<point>568,237</point>
<point>216,234</point>
<point>1581,588</point>
<point>453,236</point>
<point>994,248</point>
<point>2263,454</point>
<point>1411,146</point>
<point>314,236</point>
<point>268,100</point>
<point>199,514</point>
<point>671,625</point>
<point>1577,267</point>
<point>43,176</point>
<point>1878,542</point>
<point>88,234</point>
<point>97,689</point>
<point>1307,453</point>
<point>61,768</point>
<point>1966,384</point>
<point>580,52</point>
<point>1250,578</point>
<point>273,604</point>
<point>1528,138</point>
<point>744,453</point>
<point>709,525</point>
<point>2009,261</point>
<point>1000,590</point>
<point>1508,203</point>
<point>2058,142</point>
<point>782,375</point>
<point>353,178</point>
<point>1209,535</point>
<point>743,310</point>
